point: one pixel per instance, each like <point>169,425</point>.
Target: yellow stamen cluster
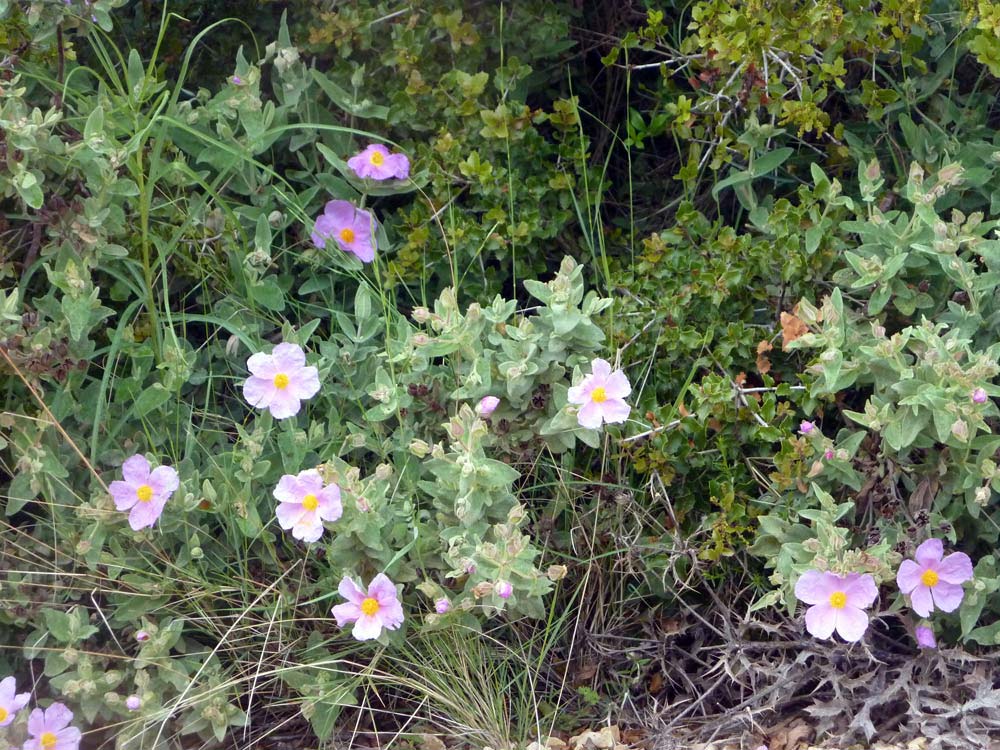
<point>3,714</point>
<point>347,235</point>
<point>377,158</point>
<point>48,739</point>
<point>369,606</point>
<point>838,600</point>
<point>598,395</point>
<point>281,381</point>
<point>929,578</point>
<point>310,502</point>
<point>144,493</point>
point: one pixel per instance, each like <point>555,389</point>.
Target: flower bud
<point>419,448</point>
<point>442,605</point>
<point>979,396</point>
<point>487,405</point>
<point>925,637</point>
<point>504,589</point>
<point>132,703</point>
<point>805,427</point>
<point>141,635</point>
<point>556,572</point>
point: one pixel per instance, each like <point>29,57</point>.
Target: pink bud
<point>504,589</point>
<point>470,568</point>
<point>979,396</point>
<point>925,637</point>
<point>132,703</point>
<point>828,454</point>
<point>487,405</point>
<point>141,635</point>
<point>805,427</point>
<point>442,605</point>
<point>237,81</point>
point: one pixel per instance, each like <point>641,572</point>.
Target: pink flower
<point>601,396</point>
<point>925,637</point>
<point>352,228</point>
<point>50,730</point>
<point>132,703</point>
<point>838,603</point>
<point>304,502</point>
<point>379,608</point>
<point>487,405</point>
<point>442,605</point>
<point>141,635</point>
<point>805,427</point>
<point>145,492</point>
<point>280,381</point>
<point>828,454</point>
<point>504,589</point>
<point>10,703</point>
<point>932,582</point>
<point>979,396</point>
<point>377,163</point>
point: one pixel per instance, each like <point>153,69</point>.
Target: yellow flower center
<point>369,606</point>
<point>3,714</point>
<point>377,158</point>
<point>310,502</point>
<point>281,381</point>
<point>838,600</point>
<point>598,395</point>
<point>48,739</point>
<point>144,493</point>
<point>347,235</point>
<point>929,578</point>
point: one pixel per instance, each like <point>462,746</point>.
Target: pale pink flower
<point>50,730</point>
<point>304,502</point>
<point>377,163</point>
<point>10,700</point>
<point>442,605</point>
<point>805,427</point>
<point>280,381</point>
<point>487,405</point>
<point>144,492</point>
<point>925,637</point>
<point>601,396</point>
<point>141,635</point>
<point>132,703</point>
<point>979,396</point>
<point>370,612</point>
<point>352,228</point>
<point>932,582</point>
<point>504,589</point>
<point>838,603</point>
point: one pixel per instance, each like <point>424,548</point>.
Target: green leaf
<point>770,161</point>
<point>150,399</point>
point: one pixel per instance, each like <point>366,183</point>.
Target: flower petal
<point>68,739</point>
<point>7,688</point>
<point>391,614</point>
<point>601,368</point>
<point>284,405</point>
<point>262,365</point>
<point>590,416</point>
<point>367,628</point>
<point>580,394</point>
<point>947,596</point>
<point>288,490</point>
<point>309,528</point>
<point>341,213</point>
<point>56,717</point>
<point>617,385</point>
<point>346,613</point>
<point>288,356</point>
<point>821,619</point>
<point>921,602</point>
<point>164,480</point>
<point>36,722</point>
<point>289,515</point>
<point>351,591</point>
<point>145,514</point>
<point>908,576</point>
<point>955,568</point>
<point>861,590</point>
<point>382,589</point>
<point>259,392</point>
<point>929,552</point>
<point>815,587</point>
<point>852,623</point>
<point>615,411</point>
<point>305,384</point>
<point>123,494</point>
<point>135,470</point>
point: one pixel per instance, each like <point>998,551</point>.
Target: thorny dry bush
<point>718,674</point>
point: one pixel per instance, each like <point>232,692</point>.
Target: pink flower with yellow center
<point>351,228</point>
<point>934,581</point>
<point>838,603</point>
<point>50,730</point>
<point>10,700</point>
<point>280,381</point>
<point>601,396</point>
<point>304,503</point>
<point>370,611</point>
<point>143,492</point>
<point>376,162</point>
